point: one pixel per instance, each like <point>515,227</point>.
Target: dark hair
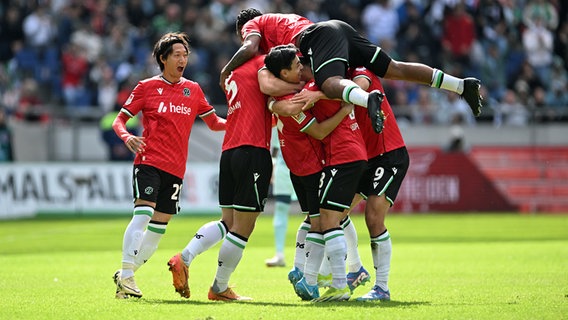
<point>280,57</point>
<point>245,16</point>
<point>163,47</point>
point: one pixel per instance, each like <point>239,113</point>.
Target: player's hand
<point>307,98</point>
<point>346,107</point>
<point>136,144</point>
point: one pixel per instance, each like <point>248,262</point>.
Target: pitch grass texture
<point>443,267</point>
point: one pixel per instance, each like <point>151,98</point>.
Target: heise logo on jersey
<point>173,108</point>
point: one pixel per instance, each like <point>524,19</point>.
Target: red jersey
<point>275,29</point>
<point>168,113</point>
<point>249,122</point>
<point>388,140</point>
<point>302,153</point>
<point>345,143</point>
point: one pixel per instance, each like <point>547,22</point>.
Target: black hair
<point>245,16</point>
<point>279,58</point>
<point>163,47</point>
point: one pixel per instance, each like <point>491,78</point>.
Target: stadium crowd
<point>83,57</point>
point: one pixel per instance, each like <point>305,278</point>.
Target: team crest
<point>186,92</point>
<point>149,190</point>
<point>299,117</point>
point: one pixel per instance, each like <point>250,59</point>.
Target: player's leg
<point>252,167</point>
<point>335,197</point>
<point>283,197</point>
<point>207,235</point>
<point>394,166</point>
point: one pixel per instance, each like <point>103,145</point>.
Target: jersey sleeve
<point>205,108</point>
<point>136,100</point>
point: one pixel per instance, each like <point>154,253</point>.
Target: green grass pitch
<point>444,266</point>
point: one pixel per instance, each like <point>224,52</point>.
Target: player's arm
<point>132,142</point>
<point>247,51</point>
<point>284,108</point>
<point>272,86</point>
<point>362,82</point>
<point>320,130</point>
<point>214,122</point>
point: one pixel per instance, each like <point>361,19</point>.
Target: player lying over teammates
<point>332,46</point>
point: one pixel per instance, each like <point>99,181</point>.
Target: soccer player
<point>344,161</point>
<point>245,170</point>
<point>387,166</point>
<point>169,104</point>
<point>332,46</point>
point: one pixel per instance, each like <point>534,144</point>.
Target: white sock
<point>150,241</point>
<point>280,224</point>
<point>352,93</point>
<point>353,258</point>
<point>336,249</point>
<point>207,236</point>
<point>229,257</point>
<point>132,239</point>
<point>300,253</point>
<point>445,81</point>
<point>315,252</point>
<point>381,249</point>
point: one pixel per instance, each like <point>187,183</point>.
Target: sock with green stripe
<point>352,93</point>
<point>300,254</point>
<point>229,257</point>
<point>336,249</point>
<point>352,240</point>
<point>315,251</point>
<point>132,239</point>
<point>381,249</point>
<point>150,240</point>
<point>207,236</point>
<point>445,81</point>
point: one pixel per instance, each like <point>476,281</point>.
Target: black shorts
<point>306,188</point>
<point>338,185</point>
<point>334,45</point>
<point>155,185</point>
<point>244,178</point>
<point>384,174</point>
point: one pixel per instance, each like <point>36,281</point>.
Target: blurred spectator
<point>459,35</point>
<point>415,38</point>
<point>557,95</point>
<point>424,110</point>
<point>537,11</point>
<point>493,71</point>
<point>311,9</point>
<point>102,75</point>
<point>380,21</point>
<point>167,21</point>
<point>510,112</point>
<point>89,41</point>
<point>450,107</point>
<point>117,47</point>
<point>40,28</point>
<point>11,31</point>
<point>457,135</point>
<point>75,67</point>
<point>30,108</point>
<point>279,6</point>
<point>538,42</point>
<point>6,154</point>
<point>561,43</point>
<point>117,150</point>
